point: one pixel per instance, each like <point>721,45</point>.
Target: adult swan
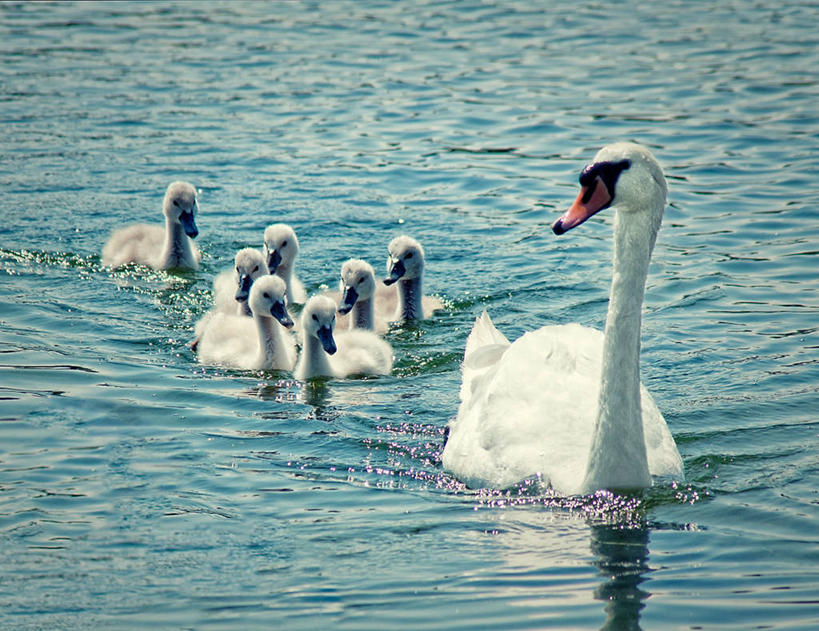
<point>565,402</point>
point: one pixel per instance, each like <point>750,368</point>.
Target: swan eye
<point>408,256</point>
<point>360,280</point>
<point>267,295</point>
<point>237,270</point>
<point>315,317</point>
<point>284,243</point>
<point>256,269</point>
<point>176,203</point>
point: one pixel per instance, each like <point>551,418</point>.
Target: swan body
<point>565,402</point>
<point>281,247</point>
<point>405,269</point>
<point>154,246</point>
<point>328,354</point>
<point>363,304</point>
<point>257,343</point>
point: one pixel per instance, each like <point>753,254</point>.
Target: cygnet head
<point>406,260</point>
<point>250,265</point>
<point>280,245</point>
<point>180,206</point>
<point>267,299</point>
<point>318,319</point>
<point>624,176</point>
<point>357,283</point>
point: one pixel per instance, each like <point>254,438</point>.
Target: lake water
<point>141,490</point>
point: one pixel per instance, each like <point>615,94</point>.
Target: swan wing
<point>503,432</point>
<point>229,340</point>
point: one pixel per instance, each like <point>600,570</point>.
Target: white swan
<point>281,247</point>
<point>405,266</point>
<point>152,245</point>
<point>361,304</point>
<point>324,354</point>
<point>230,340</point>
<point>231,289</point>
<point>566,402</point>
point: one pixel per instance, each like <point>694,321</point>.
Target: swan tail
<point>483,334</point>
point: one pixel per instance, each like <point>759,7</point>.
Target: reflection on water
<point>622,557</point>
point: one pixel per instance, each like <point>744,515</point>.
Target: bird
<point>161,249</point>
<point>363,304</point>
<point>565,402</point>
<point>258,343</point>
<point>328,354</point>
<point>405,268</point>
<point>231,289</point>
<point>281,247</point>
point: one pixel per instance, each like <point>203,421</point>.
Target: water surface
<point>139,488</point>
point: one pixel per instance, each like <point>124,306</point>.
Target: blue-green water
<point>138,489</point>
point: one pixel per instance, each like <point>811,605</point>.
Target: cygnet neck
<point>284,270</point>
<point>272,350</point>
<point>316,361</point>
<point>177,251</point>
<point>618,453</point>
<point>362,315</point>
<point>242,308</point>
<point>410,293</point>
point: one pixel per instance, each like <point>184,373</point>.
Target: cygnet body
<point>230,340</point>
<point>154,246</point>
<point>328,354</point>
<point>281,247</point>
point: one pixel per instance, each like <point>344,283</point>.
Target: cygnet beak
<point>325,336</point>
<point>273,261</point>
<point>279,311</point>
<point>188,224</point>
<point>244,287</point>
<point>397,270</point>
<point>347,300</point>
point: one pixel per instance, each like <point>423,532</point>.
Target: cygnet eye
<point>266,295</point>
<point>360,280</point>
<point>284,243</point>
<point>256,269</point>
<point>237,270</point>
<point>315,317</point>
<point>176,203</point>
<point>408,255</point>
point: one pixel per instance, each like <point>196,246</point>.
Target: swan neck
<point>316,363</point>
<point>618,457</point>
<point>409,299</point>
<point>285,271</point>
<point>177,251</point>
<point>362,316</point>
<point>271,346</point>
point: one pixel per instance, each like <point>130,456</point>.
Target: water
<point>139,489</point>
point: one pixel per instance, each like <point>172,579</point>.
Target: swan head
<point>180,206</point>
<point>267,299</point>
<point>624,176</point>
<point>406,260</point>
<point>250,265</point>
<point>280,245</point>
<point>318,319</point>
<point>357,282</point>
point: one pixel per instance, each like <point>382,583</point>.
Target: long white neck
<point>177,250</point>
<point>285,272</point>
<point>409,299</point>
<point>618,452</point>
<point>272,350</point>
<point>314,361</point>
<point>362,315</point>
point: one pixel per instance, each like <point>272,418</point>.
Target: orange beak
<point>584,207</point>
